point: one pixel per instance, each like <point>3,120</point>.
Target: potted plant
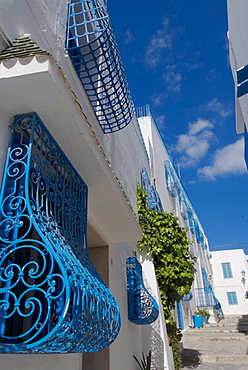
<point>204,313</point>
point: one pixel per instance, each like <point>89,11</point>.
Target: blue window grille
<point>232,298</point>
<point>153,199</point>
<point>94,54</point>
<point>142,307</point>
<point>172,181</point>
<point>227,270</point>
<point>51,297</point>
<point>242,79</point>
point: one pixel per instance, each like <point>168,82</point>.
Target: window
<point>52,299</point>
<point>227,270</point>
<point>232,298</point>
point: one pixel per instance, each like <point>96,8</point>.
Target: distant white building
<point>230,276</point>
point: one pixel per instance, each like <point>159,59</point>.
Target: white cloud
<point>162,40</point>
<point>158,99</point>
<point>172,78</point>
<point>227,161</point>
<point>194,145</point>
<point>217,107</point>
<point>129,37</point>
<point>160,121</point>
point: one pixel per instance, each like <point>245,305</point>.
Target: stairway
<point>223,345</point>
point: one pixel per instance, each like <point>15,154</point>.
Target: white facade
<point>109,164</point>
<point>238,54</point>
<point>230,273</point>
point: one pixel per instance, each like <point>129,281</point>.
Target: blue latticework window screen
<point>51,297</point>
<point>227,270</point>
<point>94,53</point>
<point>142,307</point>
<point>232,298</point>
<point>153,199</point>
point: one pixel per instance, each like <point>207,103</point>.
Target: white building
<point>72,154</point>
<point>238,52</point>
<point>230,274</point>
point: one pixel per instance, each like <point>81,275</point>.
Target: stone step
<point>224,358</point>
<point>219,338</point>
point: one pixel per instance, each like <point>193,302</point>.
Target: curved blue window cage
<point>142,307</point>
<point>172,181</point>
<point>94,53</point>
<point>153,198</point>
<point>51,297</point>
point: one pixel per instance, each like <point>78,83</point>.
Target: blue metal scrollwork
<point>94,53</point>
<point>153,198</point>
<point>51,297</point>
<point>142,307</point>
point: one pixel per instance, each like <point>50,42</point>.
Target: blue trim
<point>94,53</point>
<point>142,307</point>
<point>180,315</point>
<point>242,74</point>
<point>153,198</point>
<point>51,297</point>
<point>242,80</point>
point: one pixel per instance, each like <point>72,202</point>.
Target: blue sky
<point>175,55</point>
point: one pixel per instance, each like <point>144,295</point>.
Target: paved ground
<point>222,346</point>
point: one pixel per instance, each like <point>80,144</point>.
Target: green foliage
<point>202,312</point>
<point>145,363</point>
<point>168,245</point>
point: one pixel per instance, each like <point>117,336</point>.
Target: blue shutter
<point>232,298</point>
<point>227,270</point>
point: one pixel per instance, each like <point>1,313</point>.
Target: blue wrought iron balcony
<point>142,307</point>
<point>94,53</point>
<point>153,199</point>
<point>51,297</point>
<point>205,296</point>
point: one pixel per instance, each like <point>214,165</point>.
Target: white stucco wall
<point>238,46</point>
<point>238,284</point>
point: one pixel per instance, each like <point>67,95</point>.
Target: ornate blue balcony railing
<point>172,181</point>
<point>94,53</point>
<point>51,297</point>
<point>153,198</point>
<point>142,307</point>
